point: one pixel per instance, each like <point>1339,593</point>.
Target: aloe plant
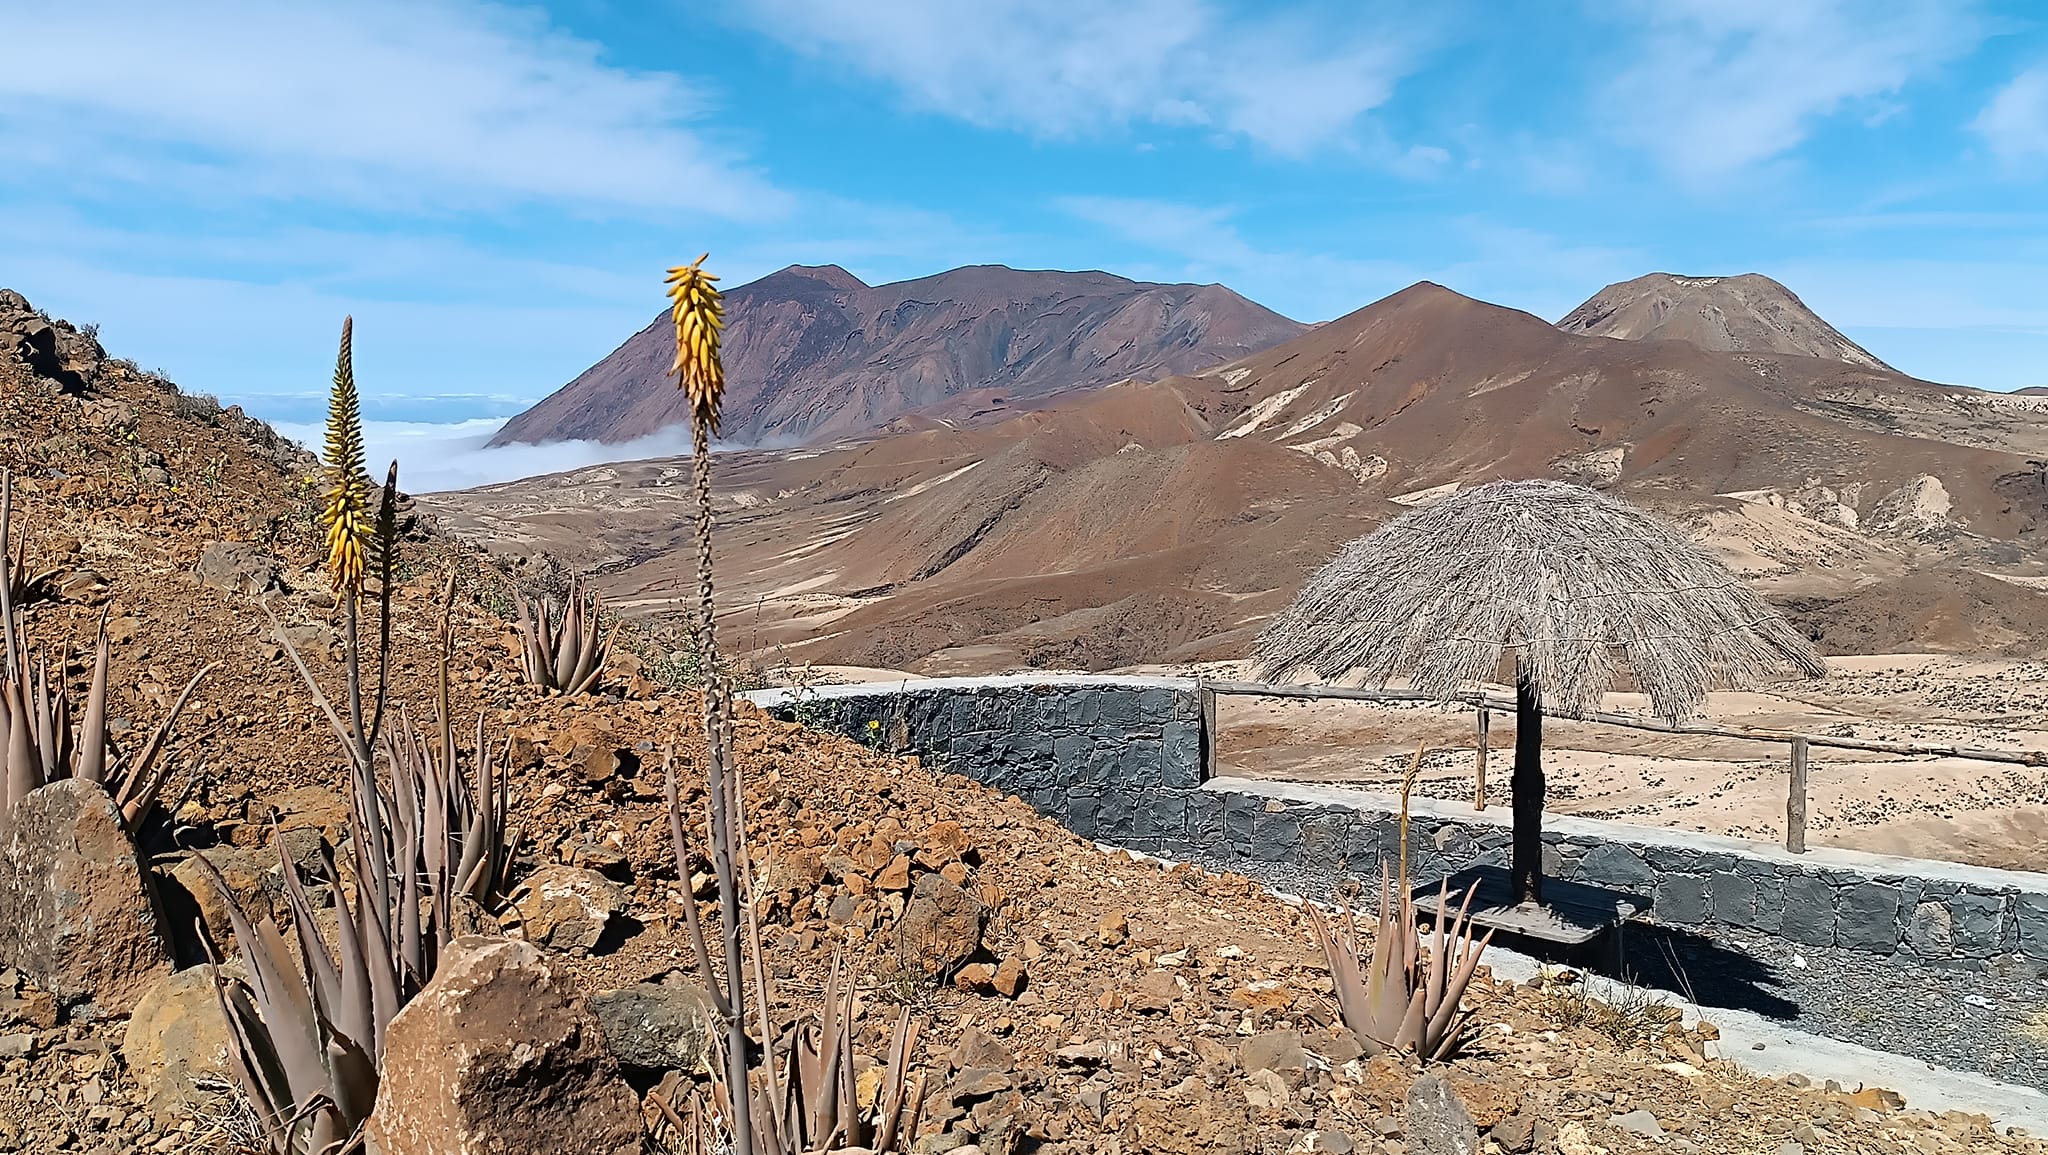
<point>819,1111</point>
<point>807,1100</point>
<point>801,1098</point>
<point>24,585</point>
<point>42,742</point>
<point>1393,994</point>
<point>309,1052</point>
<point>561,651</point>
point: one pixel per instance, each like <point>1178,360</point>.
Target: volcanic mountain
<point>812,352</point>
<point>1165,521</point>
<point>1747,314</point>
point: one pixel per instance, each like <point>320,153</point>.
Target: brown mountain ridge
<point>812,352</point>
<point>1165,521</point>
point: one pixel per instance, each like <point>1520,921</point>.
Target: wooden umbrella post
<point>1525,864</point>
<point>1479,784</point>
<point>1795,800</point>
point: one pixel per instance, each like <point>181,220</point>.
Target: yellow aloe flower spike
<point>345,515</point>
<point>699,314</point>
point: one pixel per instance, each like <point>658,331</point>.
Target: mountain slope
<point>1165,521</point>
<point>1750,313</point>
<point>1441,389</point>
<point>812,352</point>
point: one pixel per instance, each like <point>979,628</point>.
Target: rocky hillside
<point>1750,313</point>
<point>812,352</point>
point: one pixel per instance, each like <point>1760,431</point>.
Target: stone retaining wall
<point>1036,737</point>
<point>1885,905</point>
<point>1121,760</point>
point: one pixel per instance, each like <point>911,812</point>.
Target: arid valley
<point>1190,577</point>
<point>1156,527</point>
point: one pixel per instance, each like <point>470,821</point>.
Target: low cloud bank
<point>437,456</point>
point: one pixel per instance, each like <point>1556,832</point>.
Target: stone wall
<point>1121,760</point>
<point>1055,742</point>
<point>1885,905</point>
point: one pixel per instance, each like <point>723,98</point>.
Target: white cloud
<point>385,103</point>
<point>1067,67</point>
<point>1512,266</point>
<point>1192,231</point>
<point>1716,86</point>
<point>1206,246</point>
<point>2015,123</point>
<point>434,457</point>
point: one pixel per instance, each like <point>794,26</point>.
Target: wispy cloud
<point>384,103</point>
<point>1520,267</point>
<point>1715,86</point>
<point>2015,123</point>
<point>1205,244</point>
<point>251,339</point>
<point>1061,68</point>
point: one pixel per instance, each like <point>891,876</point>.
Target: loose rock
<point>499,1054</point>
<point>941,926</point>
<point>75,914</point>
<point>175,1038</point>
<point>567,908</point>
<point>237,567</point>
<point>657,1027</point>
<point>1437,1121</point>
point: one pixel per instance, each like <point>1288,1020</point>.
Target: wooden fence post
<point>1479,787</point>
<point>1795,801</point>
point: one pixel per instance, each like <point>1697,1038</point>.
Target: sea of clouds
<point>434,456</point>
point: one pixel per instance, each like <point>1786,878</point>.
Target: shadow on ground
<point>1704,972</point>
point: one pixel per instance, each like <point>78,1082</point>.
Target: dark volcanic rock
<point>237,567</point>
<point>657,1027</point>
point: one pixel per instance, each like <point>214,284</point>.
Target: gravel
<point>1988,1017</point>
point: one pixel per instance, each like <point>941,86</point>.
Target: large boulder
<point>176,1039</point>
<point>237,567</point>
<point>56,350</point>
<point>499,1055</point>
<point>76,915</point>
<point>253,880</point>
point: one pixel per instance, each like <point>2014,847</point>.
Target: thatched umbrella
<point>1568,581</point>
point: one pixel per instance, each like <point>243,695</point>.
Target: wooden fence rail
<point>1484,703</point>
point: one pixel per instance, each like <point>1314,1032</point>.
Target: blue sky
<point>494,190</point>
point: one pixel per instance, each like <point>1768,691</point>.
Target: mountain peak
<point>812,352</point>
<point>1745,313</point>
<point>830,275</point>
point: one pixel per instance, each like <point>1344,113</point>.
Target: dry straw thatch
<point>1565,579</point>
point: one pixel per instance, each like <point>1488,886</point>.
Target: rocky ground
<point>1072,1000</point>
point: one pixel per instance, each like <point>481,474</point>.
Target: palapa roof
<point>1569,580</point>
